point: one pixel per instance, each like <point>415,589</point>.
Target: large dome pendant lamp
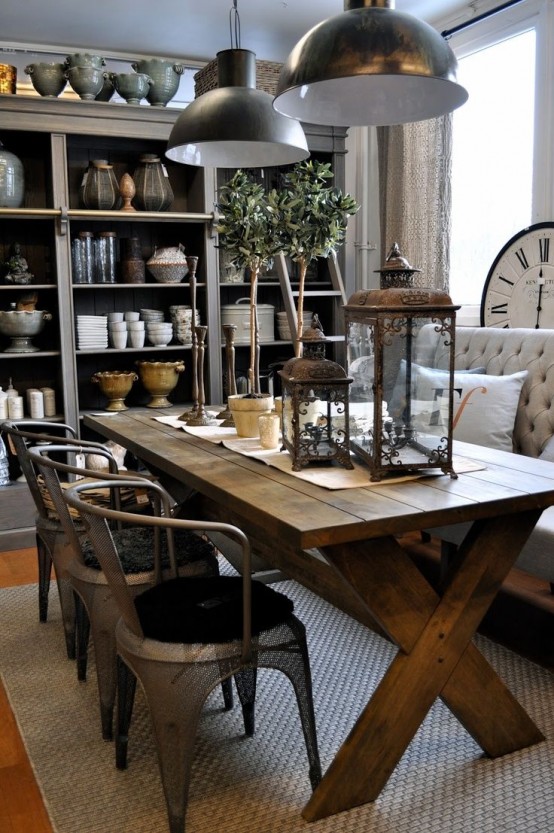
<point>235,125</point>
<point>370,65</point>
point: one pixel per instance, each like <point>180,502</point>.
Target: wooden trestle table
<point>342,544</point>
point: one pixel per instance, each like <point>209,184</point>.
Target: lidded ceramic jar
<point>153,189</point>
<point>12,179</point>
<point>165,77</point>
<point>48,79</point>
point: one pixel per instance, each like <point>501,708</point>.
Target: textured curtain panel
<point>415,162</point>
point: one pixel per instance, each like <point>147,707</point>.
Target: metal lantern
<point>400,408</point>
<point>315,415</point>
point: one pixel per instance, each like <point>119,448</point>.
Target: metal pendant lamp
<point>369,65</point>
<point>235,125</point>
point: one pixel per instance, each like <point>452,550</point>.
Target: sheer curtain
<point>415,162</point>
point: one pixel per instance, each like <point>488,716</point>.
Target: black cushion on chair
<point>190,610</point>
<point>135,546</point>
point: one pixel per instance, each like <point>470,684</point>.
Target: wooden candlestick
<point>201,416</point>
<point>186,416</point>
<point>231,385</point>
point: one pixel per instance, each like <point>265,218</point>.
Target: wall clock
<point>519,290</point>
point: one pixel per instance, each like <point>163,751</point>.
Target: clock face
<point>519,290</point>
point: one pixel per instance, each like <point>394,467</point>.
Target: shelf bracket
<point>63,221</point>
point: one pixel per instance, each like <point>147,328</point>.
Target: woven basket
<point>267,75</point>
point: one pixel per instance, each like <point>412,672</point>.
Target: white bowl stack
<point>181,318</point>
<point>159,333</point>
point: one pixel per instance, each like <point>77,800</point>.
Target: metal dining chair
<point>50,539</point>
<point>183,636</point>
<point>137,544</point>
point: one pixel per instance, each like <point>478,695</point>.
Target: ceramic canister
<point>12,179</point>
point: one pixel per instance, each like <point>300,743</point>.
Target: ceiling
<point>178,28</point>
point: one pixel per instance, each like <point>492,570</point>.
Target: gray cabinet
<point>56,139</point>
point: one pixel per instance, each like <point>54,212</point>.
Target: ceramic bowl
<point>86,81</point>
<point>166,78</point>
<point>48,79</point>
<point>132,86</point>
<point>84,59</point>
<point>108,88</point>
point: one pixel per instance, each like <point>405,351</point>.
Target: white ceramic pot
<point>246,410</point>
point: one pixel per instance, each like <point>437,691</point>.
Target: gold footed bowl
<point>115,385</point>
<point>159,379</point>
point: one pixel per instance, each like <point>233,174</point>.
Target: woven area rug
<point>443,784</point>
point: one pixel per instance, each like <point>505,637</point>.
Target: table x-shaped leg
<point>436,657</point>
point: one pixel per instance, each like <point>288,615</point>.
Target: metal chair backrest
<point>96,520</point>
<point>24,433</point>
<point>45,460</point>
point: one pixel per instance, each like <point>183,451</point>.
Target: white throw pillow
<point>484,406</point>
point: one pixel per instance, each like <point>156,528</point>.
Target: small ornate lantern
<point>396,270</point>
<point>315,416</point>
<point>401,408</point>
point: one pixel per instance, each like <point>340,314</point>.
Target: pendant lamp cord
<point>234,26</point>
<point>449,32</point>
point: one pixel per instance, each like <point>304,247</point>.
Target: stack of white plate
<point>92,332</point>
<point>283,324</point>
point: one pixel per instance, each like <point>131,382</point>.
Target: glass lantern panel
<point>400,411</point>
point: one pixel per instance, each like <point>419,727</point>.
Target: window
<point>492,159</point>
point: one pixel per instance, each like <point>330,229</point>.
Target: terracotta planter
<point>246,411</point>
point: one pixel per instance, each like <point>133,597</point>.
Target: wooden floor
<point>21,806</point>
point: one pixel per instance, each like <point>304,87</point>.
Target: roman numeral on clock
<point>520,254</point>
<point>500,309</point>
<point>544,249</point>
<point>501,278</point>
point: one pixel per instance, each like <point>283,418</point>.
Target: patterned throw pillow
<point>484,406</point>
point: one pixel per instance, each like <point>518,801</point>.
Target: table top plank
<point>307,515</point>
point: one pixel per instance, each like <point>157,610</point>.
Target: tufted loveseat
<point>504,352</point>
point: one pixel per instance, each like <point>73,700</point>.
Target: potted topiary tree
<point>248,228</point>
<point>313,217</point>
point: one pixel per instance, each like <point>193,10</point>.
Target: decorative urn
<point>169,264</point>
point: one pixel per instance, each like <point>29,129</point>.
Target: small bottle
<point>49,400</point>
<point>36,408</point>
<point>15,407</point>
<point>11,391</point>
<point>28,394</point>
<point>3,404</point>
